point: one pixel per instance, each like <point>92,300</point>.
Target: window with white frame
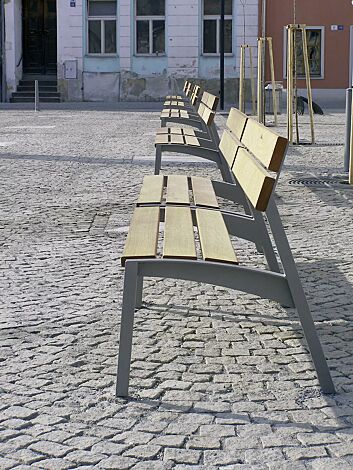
<point>212,26</point>
<point>150,27</point>
<point>102,19</point>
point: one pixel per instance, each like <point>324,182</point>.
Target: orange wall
<point>314,13</point>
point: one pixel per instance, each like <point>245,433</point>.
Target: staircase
<point>48,90</point>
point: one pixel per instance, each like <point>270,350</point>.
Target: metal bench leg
<point>139,292</point>
<point>158,161</point>
<point>131,288</point>
<point>299,299</point>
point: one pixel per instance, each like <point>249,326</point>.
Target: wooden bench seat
<point>179,235</point>
<point>179,231</point>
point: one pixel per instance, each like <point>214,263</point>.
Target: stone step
<point>29,99</point>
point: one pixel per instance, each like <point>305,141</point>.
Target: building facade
<point>124,50</point>
<point>330,44</point>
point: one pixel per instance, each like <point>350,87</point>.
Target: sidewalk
<point>220,379</point>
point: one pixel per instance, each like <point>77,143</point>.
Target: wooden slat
<point>236,122</point>
<point>189,140</point>
<point>188,131</point>
<point>175,130</point>
<point>184,114</point>
<point>267,146</point>
<point>214,237</point>
<point>179,240</point>
<point>152,190</point>
<point>143,234</point>
<point>208,116</point>
<point>212,102</point>
<point>161,139</point>
<point>176,139</point>
<point>229,147</point>
<point>255,180</point>
<point>203,191</point>
<point>177,190</point>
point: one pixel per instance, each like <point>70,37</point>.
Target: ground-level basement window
<point>102,18</point>
<point>150,27</point>
<point>212,27</point>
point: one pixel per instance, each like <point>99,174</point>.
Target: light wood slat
<point>189,140</point>
<point>256,182</point>
<point>176,139</point>
<point>183,114</point>
<point>161,139</point>
<point>236,122</point>
<point>188,131</point>
<point>177,190</point>
<point>152,190</point>
<point>203,191</point>
<point>204,97</point>
<point>214,237</point>
<point>175,130</point>
<point>212,102</point>
<point>267,146</point>
<point>208,116</point>
<point>179,240</point>
<point>229,147</point>
<point>143,234</point>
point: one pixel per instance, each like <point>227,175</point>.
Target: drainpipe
<point>2,52</point>
<point>263,18</point>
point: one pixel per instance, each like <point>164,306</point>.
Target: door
<point>39,36</point>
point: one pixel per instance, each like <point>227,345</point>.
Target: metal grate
<point>321,183</point>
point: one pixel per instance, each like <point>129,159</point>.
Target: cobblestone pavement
<point>220,380</point>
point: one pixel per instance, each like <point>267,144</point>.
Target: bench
<point>186,89</point>
<point>188,103</point>
<point>198,238</point>
<point>200,142</point>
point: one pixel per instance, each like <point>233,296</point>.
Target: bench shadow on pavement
<point>332,315</point>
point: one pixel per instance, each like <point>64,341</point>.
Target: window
<point>102,26</point>
<point>150,27</point>
<point>212,27</point>
<point>315,41</point>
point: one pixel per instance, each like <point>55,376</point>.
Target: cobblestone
<point>220,380</point>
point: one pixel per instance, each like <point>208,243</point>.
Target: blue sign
<point>340,27</point>
<point>72,3</point>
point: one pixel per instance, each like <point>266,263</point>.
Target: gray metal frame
<point>279,284</point>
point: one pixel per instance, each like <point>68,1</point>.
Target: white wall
<point>13,44</point>
<point>251,23</point>
<point>70,46</point>
<point>182,39</point>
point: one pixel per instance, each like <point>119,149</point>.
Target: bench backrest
<point>207,107</point>
<point>188,89</point>
<point>186,84</point>
<point>195,94</point>
<point>255,155</point>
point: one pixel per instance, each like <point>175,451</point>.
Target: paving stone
<point>6,463</point>
<point>118,462</point>
<point>209,364</point>
<point>182,455</point>
<point>55,464</point>
<point>330,464</point>
<point>85,457</point>
<point>303,453</point>
<point>143,451</point>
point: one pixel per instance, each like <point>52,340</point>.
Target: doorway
<point>39,37</point>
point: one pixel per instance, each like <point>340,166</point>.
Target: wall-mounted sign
<point>337,27</point>
<point>72,3</point>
